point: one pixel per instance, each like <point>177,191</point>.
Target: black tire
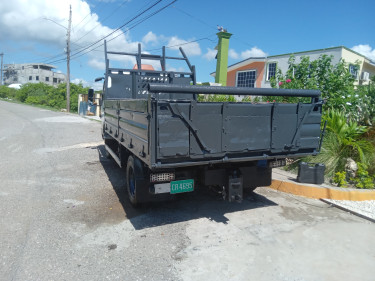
<point>106,153</point>
<point>131,182</point>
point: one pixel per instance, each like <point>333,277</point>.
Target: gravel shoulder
<point>364,208</point>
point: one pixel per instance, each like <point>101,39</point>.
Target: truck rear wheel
<point>134,180</point>
<point>131,181</point>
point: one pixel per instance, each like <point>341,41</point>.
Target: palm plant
<point>344,139</point>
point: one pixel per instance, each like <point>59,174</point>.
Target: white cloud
<point>175,69</point>
<point>210,55</point>
<point>190,48</point>
<point>150,37</point>
<point>365,50</point>
<point>93,85</point>
<point>253,52</point>
<point>233,54</point>
<point>110,1</point>
<point>24,22</point>
<point>96,63</point>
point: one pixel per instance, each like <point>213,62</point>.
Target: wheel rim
<point>131,183</point>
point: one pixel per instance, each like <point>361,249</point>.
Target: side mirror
<point>99,79</point>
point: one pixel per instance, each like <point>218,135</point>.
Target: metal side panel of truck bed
<point>180,133</point>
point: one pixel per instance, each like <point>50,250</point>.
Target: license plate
<point>277,163</point>
<point>182,186</point>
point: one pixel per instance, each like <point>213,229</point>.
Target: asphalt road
<point>64,216</point>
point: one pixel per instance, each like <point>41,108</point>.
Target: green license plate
<point>182,186</point>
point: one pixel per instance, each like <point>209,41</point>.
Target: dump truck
<point>170,143</point>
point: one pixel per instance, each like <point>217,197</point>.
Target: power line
<point>75,56</point>
<point>185,43</point>
<point>193,17</point>
<point>211,26</point>
<point>55,59</point>
<point>142,20</point>
<point>138,15</point>
<point>86,17</point>
<point>114,11</point>
<point>82,51</point>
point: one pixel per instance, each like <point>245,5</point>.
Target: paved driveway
<point>65,216</point>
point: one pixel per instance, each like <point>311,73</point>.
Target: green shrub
<point>46,95</point>
<point>216,98</point>
<point>6,92</point>
<point>362,179</point>
<point>340,179</point>
<point>343,139</point>
<point>350,137</point>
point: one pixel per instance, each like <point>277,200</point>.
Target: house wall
<point>353,58</point>
<point>370,68</point>
<point>257,66</point>
<point>261,64</point>
<point>282,61</point>
<point>364,65</point>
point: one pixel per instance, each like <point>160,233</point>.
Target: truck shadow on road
<point>203,203</point>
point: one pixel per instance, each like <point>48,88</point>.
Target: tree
<point>46,95</point>
<point>334,81</point>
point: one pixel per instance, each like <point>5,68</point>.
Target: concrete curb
<point>322,192</point>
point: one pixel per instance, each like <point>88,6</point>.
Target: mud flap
<point>235,187</point>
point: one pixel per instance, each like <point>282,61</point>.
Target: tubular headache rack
<point>162,59</point>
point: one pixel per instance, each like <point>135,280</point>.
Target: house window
<point>271,70</point>
<point>30,78</point>
<point>353,70</point>
<point>54,80</point>
<point>246,78</point>
<point>47,79</point>
<point>37,78</point>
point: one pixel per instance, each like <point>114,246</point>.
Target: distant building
<point>257,72</point>
<point>32,73</point>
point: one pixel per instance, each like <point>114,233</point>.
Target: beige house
<point>362,75</point>
<point>257,72</point>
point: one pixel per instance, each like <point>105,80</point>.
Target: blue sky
<point>33,30</point>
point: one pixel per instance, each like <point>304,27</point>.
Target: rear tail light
<point>162,177</point>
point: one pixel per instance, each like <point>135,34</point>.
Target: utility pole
<point>1,75</point>
<point>68,62</point>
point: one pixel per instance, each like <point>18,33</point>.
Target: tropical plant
<point>340,179</point>
<point>363,179</point>
<point>349,136</point>
<point>343,139</point>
